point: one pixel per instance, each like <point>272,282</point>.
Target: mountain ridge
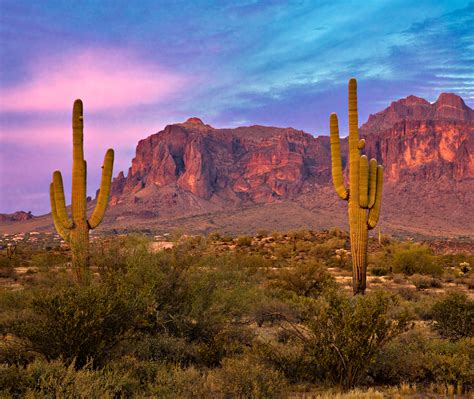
<point>202,178</point>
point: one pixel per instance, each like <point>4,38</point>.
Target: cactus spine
<point>365,189</point>
<point>76,230</point>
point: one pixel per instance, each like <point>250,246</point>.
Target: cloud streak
<point>103,78</point>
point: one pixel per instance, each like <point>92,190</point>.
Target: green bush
<point>345,334</point>
<point>417,359</point>
<point>416,260</point>
<point>308,278</point>
<point>77,323</point>
<point>453,316</point>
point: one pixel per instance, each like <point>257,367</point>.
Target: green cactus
<point>76,230</point>
<point>365,189</point>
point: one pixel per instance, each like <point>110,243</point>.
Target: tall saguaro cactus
<point>75,230</point>
<point>365,189</point>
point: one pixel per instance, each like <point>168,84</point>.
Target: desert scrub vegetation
<point>212,319</point>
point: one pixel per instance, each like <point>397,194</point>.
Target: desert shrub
<point>197,299</point>
<point>303,246</point>
<point>414,260</point>
<point>415,358</point>
<point>453,316</point>
<point>288,355</point>
<point>300,235</point>
<point>77,323</point>
<point>379,271</point>
<point>56,380</point>
<point>304,278</point>
<point>284,250</point>
<point>177,382</point>
<point>7,269</point>
<point>48,259</point>
<point>337,232</point>
<point>272,312</point>
<point>346,333</point>
<point>321,252</point>
<point>14,381</point>
<point>425,282</point>
<point>117,255</point>
<point>245,377</point>
<point>244,241</point>
<point>336,243</point>
<point>408,294</point>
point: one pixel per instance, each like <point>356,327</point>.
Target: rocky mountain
<point>198,178</point>
<point>254,164</point>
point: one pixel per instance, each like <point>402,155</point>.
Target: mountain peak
<point>448,106</point>
<point>451,99</point>
<point>413,100</point>
<point>194,121</point>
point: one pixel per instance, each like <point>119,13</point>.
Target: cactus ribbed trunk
<point>365,189</point>
<point>359,237</point>
<point>76,231</point>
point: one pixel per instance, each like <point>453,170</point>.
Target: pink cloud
<point>103,78</point>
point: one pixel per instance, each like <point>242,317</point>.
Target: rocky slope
<point>198,178</point>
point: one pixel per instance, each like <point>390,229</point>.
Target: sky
<point>140,65</point>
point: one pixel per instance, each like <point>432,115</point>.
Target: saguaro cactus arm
<point>60,201</point>
<point>364,181</point>
<point>372,181</point>
<point>62,231</point>
<point>104,191</point>
<point>336,161</point>
<point>374,213</point>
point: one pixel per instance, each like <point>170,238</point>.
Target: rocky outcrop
<point>256,163</point>
<point>18,216</point>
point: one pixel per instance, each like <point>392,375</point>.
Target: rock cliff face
<point>256,163</point>
<point>191,170</point>
<point>418,140</point>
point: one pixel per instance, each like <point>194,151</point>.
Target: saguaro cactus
<point>365,189</point>
<point>76,230</point>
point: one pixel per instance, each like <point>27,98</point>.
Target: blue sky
<point>141,65</point>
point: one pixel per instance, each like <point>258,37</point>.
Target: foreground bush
<point>341,337</point>
<point>346,333</point>
<point>453,316</point>
<point>77,323</point>
<point>416,359</point>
